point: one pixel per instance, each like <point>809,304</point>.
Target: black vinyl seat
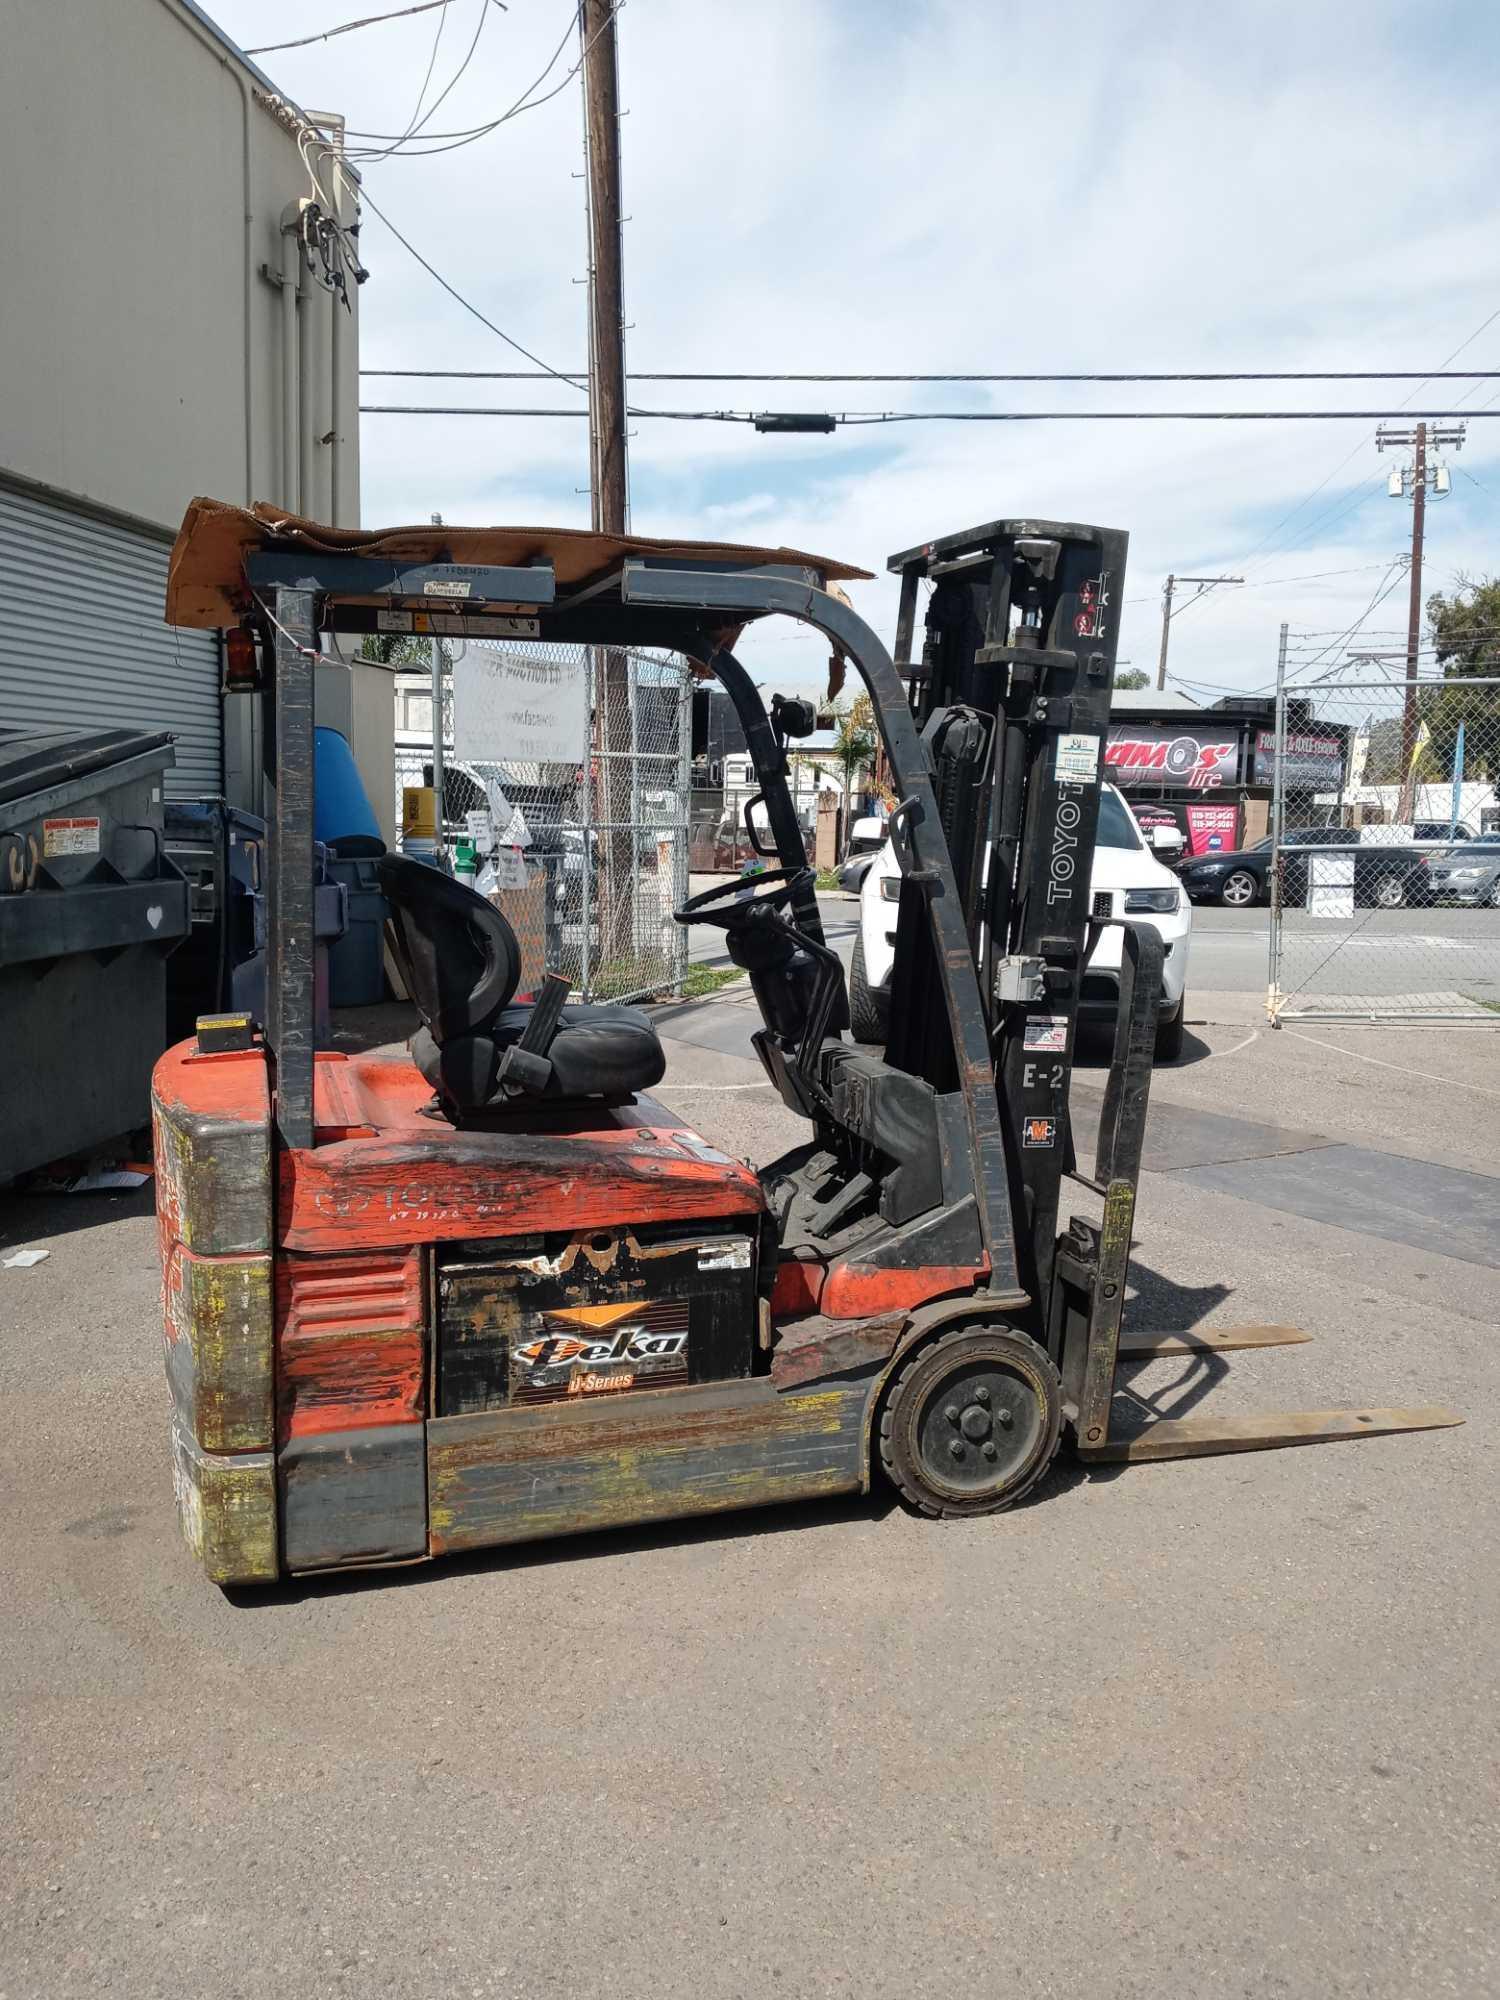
<point>462,964</point>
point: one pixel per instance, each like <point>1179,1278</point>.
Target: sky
<point>815,185</point>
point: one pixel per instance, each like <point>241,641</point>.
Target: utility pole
<point>1168,588</point>
<point>1417,475</point>
<point>438,834</point>
<point>607,419</point>
<point>614,723</point>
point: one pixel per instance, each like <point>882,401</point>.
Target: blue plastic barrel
<point>342,816</point>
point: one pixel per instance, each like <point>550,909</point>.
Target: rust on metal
<point>219,1353</point>
<point>350,1342</point>
<point>557,1468</point>
<point>808,1349</point>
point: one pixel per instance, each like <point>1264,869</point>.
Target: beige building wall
<point>145,173</point>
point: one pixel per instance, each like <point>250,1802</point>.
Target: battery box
<point>545,1318</point>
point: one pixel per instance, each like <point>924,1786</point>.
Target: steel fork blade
<point>1208,1340</point>
<point>1200,1437</point>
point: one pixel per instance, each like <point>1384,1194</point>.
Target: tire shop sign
<point>1310,759</point>
<point>1192,760</point>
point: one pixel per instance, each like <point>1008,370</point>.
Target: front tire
<point>1169,1033</point>
<point>971,1423</point>
<point>1240,889</point>
<point>869,1012</point>
<point>1390,893</point>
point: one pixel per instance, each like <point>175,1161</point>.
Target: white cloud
<point>815,185</point>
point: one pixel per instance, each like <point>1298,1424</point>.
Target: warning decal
<point>1077,759</point>
<point>1047,1032</point>
<point>69,836</point>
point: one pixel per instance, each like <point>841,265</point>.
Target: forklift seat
<point>462,963</point>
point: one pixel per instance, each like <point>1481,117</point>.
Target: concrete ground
<point>1220,1728</point>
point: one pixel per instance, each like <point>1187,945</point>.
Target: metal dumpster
<point>90,906</point>
<point>222,965</point>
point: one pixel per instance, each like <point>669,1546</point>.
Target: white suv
<point>1126,873</point>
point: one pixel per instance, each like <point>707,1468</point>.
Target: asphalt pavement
<point>1220,1728</point>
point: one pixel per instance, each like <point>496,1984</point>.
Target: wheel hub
<point>978,1428</point>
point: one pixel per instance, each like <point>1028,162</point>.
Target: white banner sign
<point>511,708</point>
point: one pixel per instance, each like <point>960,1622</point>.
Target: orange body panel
<point>855,1291</point>
<point>385,1171</point>
<point>349,1342</point>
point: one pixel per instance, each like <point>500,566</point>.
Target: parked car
<point>1163,835</point>
<point>1127,881</point>
<point>1389,866</point>
<point>866,838</point>
<point>1466,874</point>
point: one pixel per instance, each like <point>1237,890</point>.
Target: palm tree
<point>853,748</point>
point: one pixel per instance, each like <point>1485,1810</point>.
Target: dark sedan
<point>1386,877</point>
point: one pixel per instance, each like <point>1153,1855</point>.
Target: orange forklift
<point>493,1292</point>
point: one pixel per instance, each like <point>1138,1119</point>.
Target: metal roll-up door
<point>83,643</point>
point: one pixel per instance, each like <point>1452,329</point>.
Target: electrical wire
<point>468,307</point>
<point>484,14</point>
<point>852,419</point>
<point>422,93</point>
<point>348,27</point>
<point>1277,548</point>
<point>525,102</point>
<point>1273,375</point>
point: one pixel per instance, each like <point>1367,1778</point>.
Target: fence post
<point>1278,811</point>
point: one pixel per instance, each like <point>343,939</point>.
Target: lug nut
<point>991,1450</point>
<point>951,1413</point>
<point>1004,1418</point>
<point>981,1394</point>
<point>956,1447</point>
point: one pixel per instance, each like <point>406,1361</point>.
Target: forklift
<point>493,1292</point>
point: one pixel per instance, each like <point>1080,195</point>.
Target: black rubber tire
<point>869,1013</point>
<point>1169,1033</point>
<point>1240,875</point>
<point>935,1365</point>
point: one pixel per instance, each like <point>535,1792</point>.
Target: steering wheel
<point>737,905</point>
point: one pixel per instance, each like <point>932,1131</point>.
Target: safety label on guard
<point>69,836</point>
<point>447,586</point>
<point>1077,760</point>
<point>1038,1132</point>
<point>1047,1033</point>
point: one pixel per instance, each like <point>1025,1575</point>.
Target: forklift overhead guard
<point>494,1292</point>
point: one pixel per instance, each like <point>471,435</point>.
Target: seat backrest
<point>460,953</point>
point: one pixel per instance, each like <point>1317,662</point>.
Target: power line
<point>450,142</point>
<point>484,320</point>
<point>1261,375</point>
<point>858,418</point>
<point>1268,537</point>
<point>348,27</point>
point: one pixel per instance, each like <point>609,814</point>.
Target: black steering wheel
<point>787,882</point>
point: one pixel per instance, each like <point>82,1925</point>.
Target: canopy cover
<point>205,575</point>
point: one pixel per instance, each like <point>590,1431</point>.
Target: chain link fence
<point>587,857</point>
<point>1383,864</point>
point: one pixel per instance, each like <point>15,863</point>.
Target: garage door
<point>83,642</point>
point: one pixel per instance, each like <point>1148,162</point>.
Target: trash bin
<point>356,961</point>
<point>222,963</point>
<point>90,906</point>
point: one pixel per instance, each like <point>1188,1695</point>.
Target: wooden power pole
<point>1417,477</point>
<point>607,419</point>
<point>614,711</point>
